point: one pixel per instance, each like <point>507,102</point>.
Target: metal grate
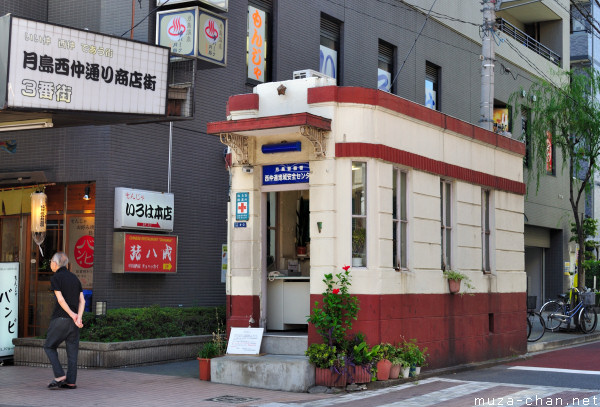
<point>232,399</point>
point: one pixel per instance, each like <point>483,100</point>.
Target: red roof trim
<point>422,163</point>
<point>248,101</point>
<point>269,122</point>
<point>392,102</point>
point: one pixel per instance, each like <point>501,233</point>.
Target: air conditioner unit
<point>309,73</point>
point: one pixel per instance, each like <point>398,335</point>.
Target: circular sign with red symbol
<point>177,28</point>
<point>211,31</point>
<point>84,251</point>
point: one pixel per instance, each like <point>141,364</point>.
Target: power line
<point>147,15</point>
<point>414,43</point>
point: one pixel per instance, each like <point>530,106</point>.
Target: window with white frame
<point>485,230</point>
<point>359,214</point>
<point>446,221</point>
<point>400,220</point>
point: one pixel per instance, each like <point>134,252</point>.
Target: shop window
<point>385,67</point>
<point>329,55</point>
<point>432,86</point>
<point>446,222</point>
<point>359,214</point>
<point>501,120</point>
<point>400,220</point>
<point>486,232</point>
<point>258,50</point>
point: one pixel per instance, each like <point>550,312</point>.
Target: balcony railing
<point>527,41</point>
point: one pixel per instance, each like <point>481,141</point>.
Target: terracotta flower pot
<point>383,369</point>
<point>358,374</point>
<point>395,371</point>
<point>204,369</point>
<point>325,377</point>
<point>454,286</point>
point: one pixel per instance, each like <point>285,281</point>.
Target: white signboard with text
<point>139,209</point>
<point>244,341</point>
<point>9,304</point>
<point>55,67</point>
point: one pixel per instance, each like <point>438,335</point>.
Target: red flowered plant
<point>334,318</point>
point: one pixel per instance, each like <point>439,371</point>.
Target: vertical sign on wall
<point>176,29</point>
<point>212,37</point>
<point>549,163</point>
<point>81,249</point>
<point>9,305</point>
<point>256,44</point>
<point>242,200</point>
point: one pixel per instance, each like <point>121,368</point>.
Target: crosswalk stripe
<point>556,370</point>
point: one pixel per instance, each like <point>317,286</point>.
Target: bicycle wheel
<point>537,326</point>
<point>587,319</point>
<point>528,327</point>
<point>548,312</point>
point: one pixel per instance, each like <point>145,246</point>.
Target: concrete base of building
<point>273,372</point>
<point>30,352</point>
<point>284,344</point>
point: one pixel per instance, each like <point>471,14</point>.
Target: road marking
<point>551,369</point>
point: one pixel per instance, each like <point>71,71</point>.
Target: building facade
<point>432,59</point>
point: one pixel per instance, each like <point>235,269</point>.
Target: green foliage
<point>359,237</point>
<point>362,355</point>
<point>218,345</point>
<point>592,270</point>
<point>386,351</point>
<point>334,318</point>
<point>129,324</point>
<point>412,354</point>
<point>325,356</point>
<point>458,276</point>
<point>568,110</point>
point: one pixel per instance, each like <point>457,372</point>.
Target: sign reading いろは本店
<point>139,209</point>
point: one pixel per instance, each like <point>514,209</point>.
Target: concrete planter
<point>30,352</point>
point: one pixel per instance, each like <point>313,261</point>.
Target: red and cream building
<point>423,190</point>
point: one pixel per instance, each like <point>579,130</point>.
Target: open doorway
<point>287,259</point>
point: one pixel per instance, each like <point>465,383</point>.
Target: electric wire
<point>147,15</point>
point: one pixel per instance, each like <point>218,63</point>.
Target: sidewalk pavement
<point>177,384</point>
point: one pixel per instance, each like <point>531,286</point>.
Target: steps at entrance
<point>273,372</point>
<point>284,344</point>
<point>281,366</point>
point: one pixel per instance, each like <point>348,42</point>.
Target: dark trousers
<point>63,330</point>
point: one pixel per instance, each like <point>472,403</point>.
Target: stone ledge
<point>30,352</point>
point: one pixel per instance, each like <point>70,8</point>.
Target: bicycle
<point>558,312</point>
<point>535,323</point>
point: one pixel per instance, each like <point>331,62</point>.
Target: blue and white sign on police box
<point>242,200</point>
<point>285,173</point>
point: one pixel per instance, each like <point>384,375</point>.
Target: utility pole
<point>487,65</point>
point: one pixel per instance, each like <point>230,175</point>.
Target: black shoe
<point>65,385</point>
<point>55,385</point>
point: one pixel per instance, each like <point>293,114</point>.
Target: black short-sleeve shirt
<point>70,287</point>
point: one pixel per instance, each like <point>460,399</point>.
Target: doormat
<point>232,399</point>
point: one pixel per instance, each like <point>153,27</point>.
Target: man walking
<point>65,322</point>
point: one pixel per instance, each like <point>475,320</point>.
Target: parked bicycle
<point>535,322</point>
<point>562,312</point>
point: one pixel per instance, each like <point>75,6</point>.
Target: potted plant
<point>361,360</point>
<point>398,364</point>
<point>216,347</point>
<point>329,364</point>
<point>359,237</point>
<point>415,357</point>
<point>383,361</point>
<point>454,279</point>
<point>302,226</point>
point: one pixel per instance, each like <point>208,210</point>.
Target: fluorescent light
<point>26,125</point>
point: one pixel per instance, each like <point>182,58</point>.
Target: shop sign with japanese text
<point>144,253</point>
<point>242,203</point>
<point>258,41</point>
<point>139,209</point>
<point>9,307</point>
<point>285,173</point>
<point>220,4</point>
<point>81,249</point>
<point>61,68</point>
<point>212,37</point>
<point>177,30</point>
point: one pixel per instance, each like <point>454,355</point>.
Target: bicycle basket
<point>588,298</point>
<point>531,301</point>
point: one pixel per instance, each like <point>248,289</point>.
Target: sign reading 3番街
<point>61,68</point>
<point>146,210</point>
